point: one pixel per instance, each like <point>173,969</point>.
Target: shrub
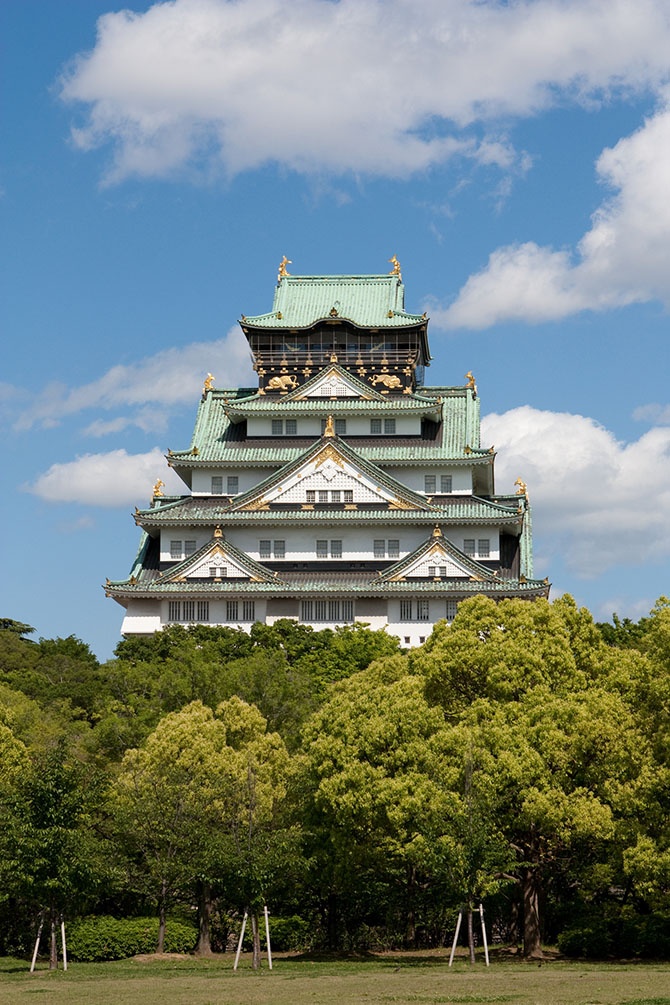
<point>105,938</point>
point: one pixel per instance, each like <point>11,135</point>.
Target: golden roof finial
<point>437,531</point>
<point>209,384</point>
<point>395,271</point>
<point>217,531</point>
<point>329,429</point>
<point>283,271</point>
<point>470,381</point>
<point>157,488</point>
<point>522,489</point>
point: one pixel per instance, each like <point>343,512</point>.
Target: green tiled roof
<point>367,301</point>
<point>216,441</point>
<point>476,569</point>
<point>199,511</point>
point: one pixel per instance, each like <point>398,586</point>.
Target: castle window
<point>231,610</point>
<point>291,427</point>
<point>348,495</point>
<point>311,496</point>
<point>189,547</point>
<point>375,426</point>
<point>379,549</point>
<point>484,547</point>
<point>325,548</point>
<point>188,610</point>
<point>265,549</point>
<point>277,427</point>
<point>232,485</point>
<point>270,549</point>
<point>423,610</point>
<point>218,571</point>
<point>340,426</point>
<point>445,483</point>
<point>335,496</point>
<point>327,610</point>
<point>382,549</point>
<point>469,546</point>
<point>405,610</point>
<point>430,484</point>
<point>452,609</point>
<point>394,548</point>
<point>280,549</point>
<point>217,485</point>
<point>389,426</point>
<point>323,497</point>
<point>175,549</point>
<point>336,549</point>
<point>248,610</point>
<point>203,610</point>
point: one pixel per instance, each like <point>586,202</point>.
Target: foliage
<point>107,938</point>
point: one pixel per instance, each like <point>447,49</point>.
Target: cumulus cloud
<point>588,489</point>
<point>112,479</point>
<point>621,260</point>
<point>384,88</point>
<point>150,386</point>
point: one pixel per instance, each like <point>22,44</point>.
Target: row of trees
<point>519,757</point>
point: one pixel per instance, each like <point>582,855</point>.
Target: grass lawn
<point>382,978</point>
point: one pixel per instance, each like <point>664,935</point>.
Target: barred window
<point>379,549</point>
<point>430,483</point>
<point>484,547</point>
<point>291,427</point>
<point>394,548</point>
<point>265,549</point>
<point>277,427</point>
<point>389,426</point>
<point>189,547</point>
<point>232,485</point>
<point>231,610</point>
<point>423,610</point>
<point>174,610</point>
<point>322,549</point>
<point>335,496</point>
<point>445,483</point>
<point>469,546</point>
<point>217,485</point>
<point>348,495</point>
<point>405,610</point>
<point>320,610</point>
<point>248,610</point>
<point>323,497</point>
<point>375,426</point>
<point>306,610</point>
<point>347,610</point>
<point>175,549</point>
<point>218,571</point>
<point>203,610</point>
<point>280,549</point>
<point>336,549</point>
<point>188,610</point>
<point>452,609</point>
<point>311,496</point>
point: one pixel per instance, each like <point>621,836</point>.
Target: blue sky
<point>156,163</point>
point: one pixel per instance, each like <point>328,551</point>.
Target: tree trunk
<point>530,885</point>
<point>204,947</point>
<point>410,922</point>
<point>471,935</point>
<point>161,923</point>
<point>255,933</point>
<point>53,947</point>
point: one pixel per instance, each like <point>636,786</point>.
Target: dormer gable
<point>218,559</point>
<point>437,558</point>
<point>334,382</point>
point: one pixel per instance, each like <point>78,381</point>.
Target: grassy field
<point>377,980</point>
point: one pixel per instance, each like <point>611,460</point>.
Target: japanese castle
<point>342,489</point>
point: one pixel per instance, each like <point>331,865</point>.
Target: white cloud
<point>112,479</point>
<point>170,377</point>
<point>589,491</point>
<point>621,260</point>
<point>657,414</point>
<point>358,85</point>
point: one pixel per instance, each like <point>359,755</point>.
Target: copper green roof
<point>366,301</point>
<point>217,440</point>
<point>200,511</point>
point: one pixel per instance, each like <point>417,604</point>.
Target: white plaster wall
<point>413,478</point>
<point>357,542</point>
<point>248,477</point>
<point>359,425</point>
<point>142,617</point>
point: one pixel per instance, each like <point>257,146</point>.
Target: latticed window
<point>311,496</point>
<point>189,547</point>
<point>469,546</point>
<point>174,610</point>
<point>335,496</point>
<point>203,610</point>
<point>291,427</point>
<point>348,495</point>
<point>320,610</point>
<point>280,549</point>
<point>336,549</point>
<point>347,610</point>
<point>323,496</point>
<point>232,485</point>
<point>277,427</point>
<point>217,485</point>
<point>430,484</point>
<point>394,548</point>
<point>188,610</point>
<point>446,482</point>
<point>389,426</point>
<point>379,549</point>
<point>218,571</point>
<point>265,549</point>
<point>322,549</point>
<point>375,426</point>
<point>307,610</point>
<point>175,549</point>
<point>231,610</point>
<point>484,547</point>
<point>248,610</point>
